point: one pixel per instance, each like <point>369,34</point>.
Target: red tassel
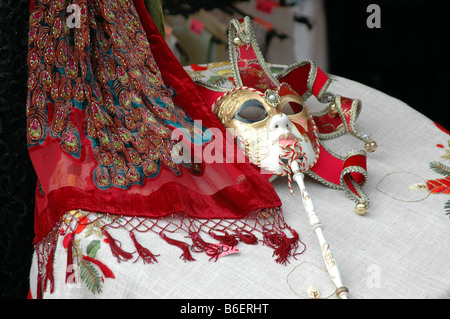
<point>199,245</point>
<point>247,237</point>
<point>281,245</point>
<point>294,241</point>
<point>226,239</point>
<point>147,256</point>
<point>186,255</point>
<point>49,270</point>
<point>117,252</point>
<point>70,269</point>
<point>39,287</point>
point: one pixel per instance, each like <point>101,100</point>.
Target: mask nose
<point>280,123</point>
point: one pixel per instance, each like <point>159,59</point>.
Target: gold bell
<point>333,110</point>
<point>361,209</point>
<point>371,146</point>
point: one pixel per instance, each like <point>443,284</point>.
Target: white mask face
<point>268,125</point>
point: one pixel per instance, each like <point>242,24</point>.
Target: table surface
<point>399,249</point>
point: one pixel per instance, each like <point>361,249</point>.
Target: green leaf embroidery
<point>275,69</point>
<point>217,80</point>
<point>440,168</point>
<point>447,208</point>
<point>92,248</point>
<point>90,276</point>
<point>110,218</point>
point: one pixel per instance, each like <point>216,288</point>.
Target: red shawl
<point>103,100</point>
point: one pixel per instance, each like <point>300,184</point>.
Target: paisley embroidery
<point>35,130</point>
<point>70,140</point>
<point>101,81</point>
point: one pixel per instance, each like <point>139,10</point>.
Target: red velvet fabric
<point>321,79</point>
<point>330,168</point>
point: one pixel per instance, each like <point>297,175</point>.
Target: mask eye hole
<point>292,108</point>
<point>251,111</point>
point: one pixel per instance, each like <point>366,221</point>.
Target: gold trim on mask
<point>303,114</point>
<point>227,107</point>
<point>256,143</point>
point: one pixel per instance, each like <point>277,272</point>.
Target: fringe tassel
<point>199,245</point>
<point>70,269</point>
<point>294,241</point>
<point>45,253</point>
<point>226,239</point>
<point>147,256</point>
<point>39,287</point>
<point>284,247</point>
<point>186,255</point>
<point>273,236</point>
<point>49,270</point>
<point>117,252</point>
<point>247,237</point>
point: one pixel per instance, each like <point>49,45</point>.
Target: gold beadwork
<point>272,98</point>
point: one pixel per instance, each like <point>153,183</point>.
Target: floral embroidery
<point>220,73</point>
<point>440,185</point>
<point>431,186</point>
<point>85,267</point>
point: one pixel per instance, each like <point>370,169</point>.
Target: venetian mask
<point>267,115</point>
<point>267,124</point>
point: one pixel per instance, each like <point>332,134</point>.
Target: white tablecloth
<point>399,249</point>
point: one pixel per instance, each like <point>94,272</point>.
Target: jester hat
<point>259,102</point>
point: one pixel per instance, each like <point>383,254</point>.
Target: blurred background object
<point>407,57</point>
<point>287,31</point>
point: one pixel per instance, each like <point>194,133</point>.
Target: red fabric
<point>349,184</point>
<point>251,71</point>
<point>356,161</point>
<point>330,168</point>
<point>67,162</point>
<point>209,96</point>
<point>321,79</point>
<point>443,129</point>
<point>298,78</point>
<point>329,123</point>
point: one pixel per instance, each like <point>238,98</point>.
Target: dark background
<point>17,178</point>
<point>407,58</point>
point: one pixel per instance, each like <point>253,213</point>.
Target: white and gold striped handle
<point>314,220</point>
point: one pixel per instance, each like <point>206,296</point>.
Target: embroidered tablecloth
<point>399,249</point>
